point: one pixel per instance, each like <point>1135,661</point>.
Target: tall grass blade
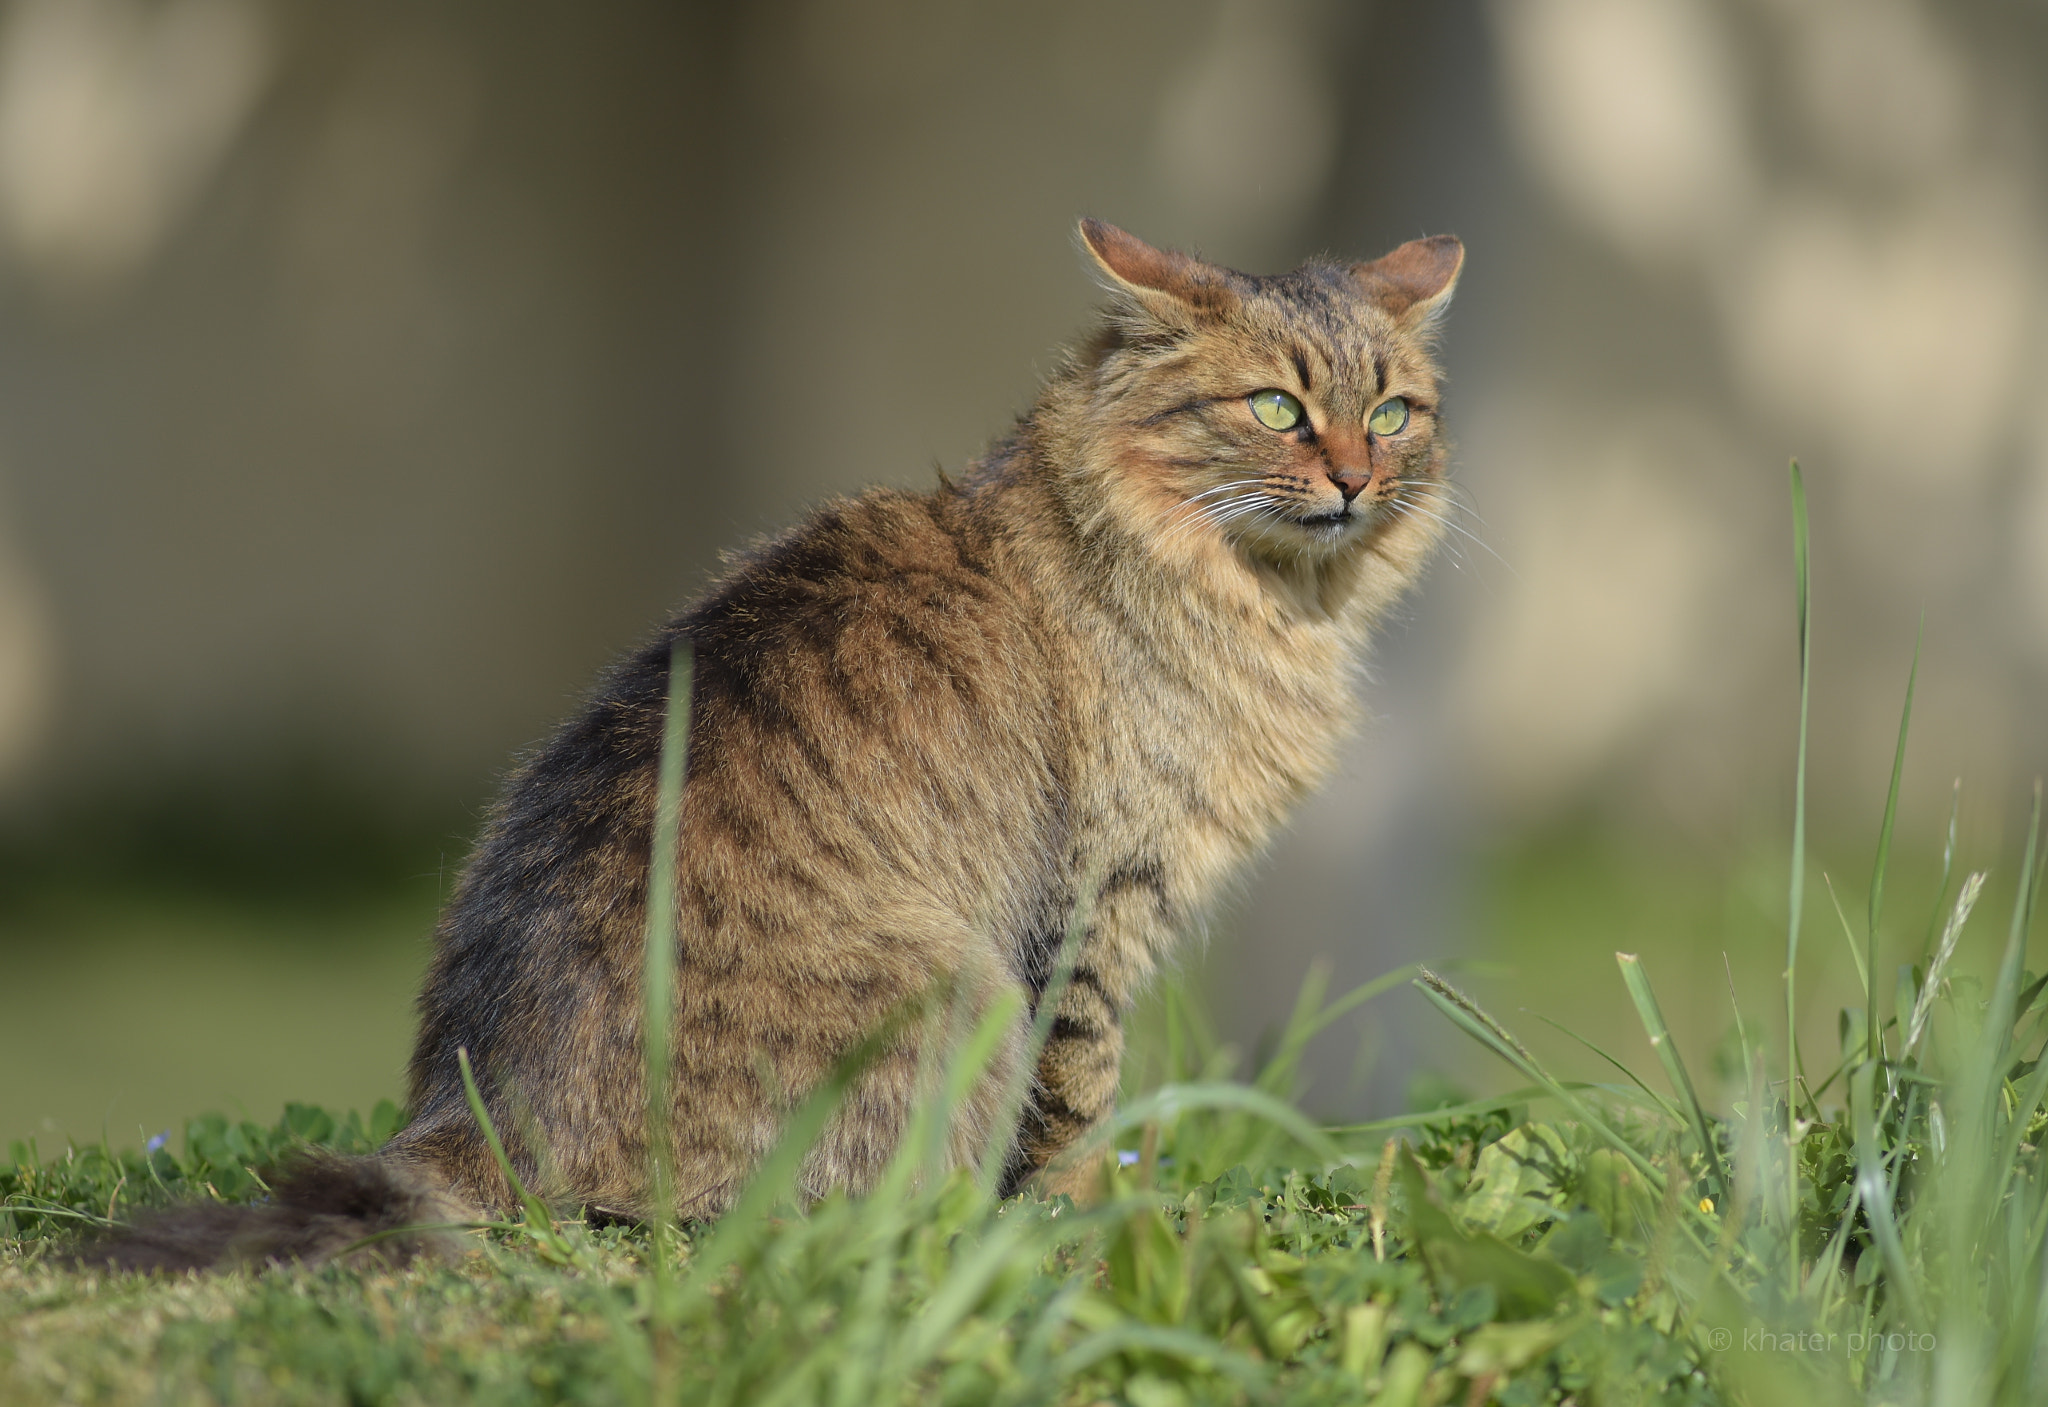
<point>1875,1190</point>
<point>658,975</point>
<point>1170,1100</point>
<point>1741,1027</point>
<point>2026,1103</point>
<point>1471,1018</point>
<point>538,1219</point>
<point>1652,1016</point>
<point>741,1228</point>
<point>1848,935</point>
<point>1657,1101</point>
<point>1311,1018</point>
<point>1874,1035</point>
<point>1998,1026</point>
<point>1948,866</point>
<point>1451,1113</point>
<point>1797,897</point>
<point>923,1152</point>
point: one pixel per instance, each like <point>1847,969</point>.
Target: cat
<point>1099,670</point>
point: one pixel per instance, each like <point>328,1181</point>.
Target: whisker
<point>1186,522</point>
<point>1215,515</point>
<point>1218,488</point>
<point>1458,496</point>
<point>1243,508</point>
<point>1415,507</point>
<point>1457,553</point>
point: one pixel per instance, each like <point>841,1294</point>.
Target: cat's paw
<point>1085,1179</point>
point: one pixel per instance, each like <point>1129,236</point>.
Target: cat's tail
<point>321,1206</point>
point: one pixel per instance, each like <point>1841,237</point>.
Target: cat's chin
<point>1311,538</point>
<point>1330,527</point>
<point>1331,530</point>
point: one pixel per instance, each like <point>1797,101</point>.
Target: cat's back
<point>879,701</point>
<point>890,610</point>
<point>875,731</point>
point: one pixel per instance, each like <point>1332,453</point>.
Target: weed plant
<point>1872,1232</point>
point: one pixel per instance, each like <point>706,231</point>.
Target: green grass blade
<point>1998,1027</point>
<point>1797,897</point>
<point>1848,933</point>
<point>658,973</point>
<point>1450,1113</point>
<point>2040,878</point>
<point>1875,1038</point>
<point>956,1295</point>
<point>1741,1027</point>
<point>1311,1018</point>
<point>1948,869</point>
<point>1471,1018</point>
<point>738,1231</point>
<point>538,1219</point>
<point>1170,1100</point>
<point>2027,1102</point>
<point>1875,1190</point>
<point>1176,1344</point>
<point>923,1150</point>
<point>1652,1016</point>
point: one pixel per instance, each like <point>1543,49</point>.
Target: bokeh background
<point>370,372</point>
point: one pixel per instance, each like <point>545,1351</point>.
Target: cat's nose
<point>1350,481</point>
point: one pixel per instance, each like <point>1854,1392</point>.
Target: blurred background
<point>372,372</point>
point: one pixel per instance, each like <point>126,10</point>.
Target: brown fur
<point>1112,659</point>
<point>320,1207</point>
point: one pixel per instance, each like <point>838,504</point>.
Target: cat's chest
<point>1206,734</point>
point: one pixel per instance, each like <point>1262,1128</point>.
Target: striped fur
<point>1113,657</point>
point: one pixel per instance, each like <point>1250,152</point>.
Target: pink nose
<point>1350,481</point>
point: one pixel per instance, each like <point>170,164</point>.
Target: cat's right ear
<point>1171,286</point>
<point>1414,283</point>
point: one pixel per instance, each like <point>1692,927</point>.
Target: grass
<point>1227,1263</point>
<point>1857,1223</point>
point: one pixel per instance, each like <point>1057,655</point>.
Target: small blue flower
<point>1125,1157</point>
<point>158,1142</point>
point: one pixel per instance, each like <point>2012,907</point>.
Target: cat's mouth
<point>1334,523</point>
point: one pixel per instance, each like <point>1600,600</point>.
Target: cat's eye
<point>1276,410</point>
<point>1390,418</point>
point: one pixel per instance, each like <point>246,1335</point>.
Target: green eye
<point>1390,419</point>
<point>1276,409</point>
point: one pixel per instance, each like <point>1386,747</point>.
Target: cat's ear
<point>1414,282</point>
<point>1172,286</point>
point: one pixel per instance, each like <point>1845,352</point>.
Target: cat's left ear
<point>1171,286</point>
<point>1414,282</point>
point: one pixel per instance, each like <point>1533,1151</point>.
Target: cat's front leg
<point>1075,1090</point>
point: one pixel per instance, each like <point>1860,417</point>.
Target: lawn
<point>1569,1242</point>
<point>1863,1220</point>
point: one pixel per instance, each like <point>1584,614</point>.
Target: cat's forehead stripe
<point>1325,303</point>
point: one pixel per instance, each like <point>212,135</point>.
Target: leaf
<point>1516,1179</point>
<point>1618,1195</point>
<point>1524,1286</point>
<point>1504,1348</point>
<point>1146,1271</point>
<point>1580,1244</point>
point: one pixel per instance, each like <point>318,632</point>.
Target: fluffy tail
<point>321,1206</point>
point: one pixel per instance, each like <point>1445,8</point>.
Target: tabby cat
<point>1099,669</point>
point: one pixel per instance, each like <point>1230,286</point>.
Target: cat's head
<point>1294,416</point>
